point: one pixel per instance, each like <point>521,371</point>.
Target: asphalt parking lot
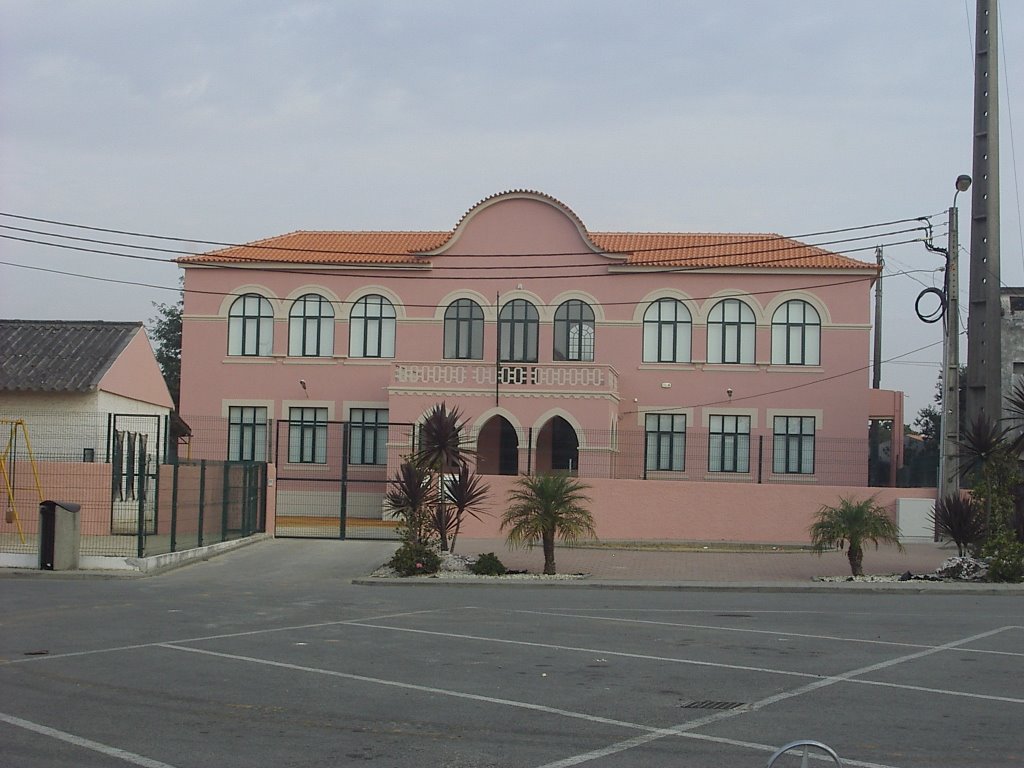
<point>272,656</point>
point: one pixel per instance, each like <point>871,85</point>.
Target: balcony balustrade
<point>512,377</point>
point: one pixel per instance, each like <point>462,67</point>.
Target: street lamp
<point>949,462</point>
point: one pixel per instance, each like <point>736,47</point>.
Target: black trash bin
<point>59,535</point>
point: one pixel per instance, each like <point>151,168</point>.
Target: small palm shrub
<point>544,507</point>
<point>852,524</point>
<point>961,519</point>
<point>488,565</point>
<point>415,558</point>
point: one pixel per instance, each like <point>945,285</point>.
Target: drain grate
<point>709,704</point>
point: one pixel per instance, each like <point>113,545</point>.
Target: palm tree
<point>852,523</point>
<point>546,506</point>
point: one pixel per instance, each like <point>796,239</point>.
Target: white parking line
<point>580,649</point>
<point>804,635</point>
<point>420,688</point>
<point>769,700</point>
<point>651,733</point>
<point>224,636</point>
<point>78,741</point>
<point>719,628</point>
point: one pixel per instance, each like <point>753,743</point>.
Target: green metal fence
<point>133,501</point>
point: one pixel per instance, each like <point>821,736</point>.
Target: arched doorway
<point>558,447</point>
<point>497,448</point>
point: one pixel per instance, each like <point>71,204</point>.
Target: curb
<point>848,587</point>
<point>106,567</point>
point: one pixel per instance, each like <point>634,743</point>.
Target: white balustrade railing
<point>550,377</point>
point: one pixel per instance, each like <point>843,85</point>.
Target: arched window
<point>250,326</point>
<point>517,330</point>
<point>667,325</point>
<point>371,329</point>
<point>731,333</point>
<point>574,331</point>
<point>796,334</point>
<point>464,331</point>
<point>311,327</point>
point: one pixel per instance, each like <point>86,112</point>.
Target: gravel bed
<point>457,567</point>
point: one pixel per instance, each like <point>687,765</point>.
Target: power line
<point>341,303</point>
<point>815,382</point>
<point>793,245</point>
<point>100,279</point>
<point>643,269</point>
<point>262,246</point>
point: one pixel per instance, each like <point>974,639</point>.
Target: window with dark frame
<point>464,331</point>
<point>793,449</point>
<point>247,433</point>
<point>311,327</point>
<point>729,444</point>
<point>372,327</point>
<point>666,442</point>
<point>250,326</point>
<point>574,331</point>
<point>731,330</point>
<point>307,435</point>
<point>368,436</point>
<point>518,324</point>
<point>666,335</point>
<point>796,334</point>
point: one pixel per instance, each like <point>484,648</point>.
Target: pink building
<point>616,355</point>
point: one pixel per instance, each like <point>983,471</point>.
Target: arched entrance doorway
<point>558,447</point>
<point>497,448</point>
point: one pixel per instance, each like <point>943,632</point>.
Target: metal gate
<point>332,477</point>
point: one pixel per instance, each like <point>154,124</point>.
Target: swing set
<point>9,457</point>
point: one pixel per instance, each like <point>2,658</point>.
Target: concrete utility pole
<point>876,370</point>
<point>949,469</point>
<point>984,360</point>
<point>876,365</point>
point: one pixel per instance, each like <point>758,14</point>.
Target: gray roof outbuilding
<point>59,355</point>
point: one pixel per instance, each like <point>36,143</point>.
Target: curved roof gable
<point>519,194</point>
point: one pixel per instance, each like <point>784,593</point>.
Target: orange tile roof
<point>329,248</point>
<point>640,249</point>
<point>724,250</point>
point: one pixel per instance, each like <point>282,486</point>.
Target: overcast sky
<point>232,121</point>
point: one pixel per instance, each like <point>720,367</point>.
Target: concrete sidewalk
<point>766,571</point>
<point>711,565</point>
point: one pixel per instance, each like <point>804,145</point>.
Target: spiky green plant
<point>959,518</point>
<point>442,443</point>
<point>411,496</point>
<point>466,492</point>
<point>443,452</point>
<point>544,507</point>
<point>989,465</point>
<point>851,523</point>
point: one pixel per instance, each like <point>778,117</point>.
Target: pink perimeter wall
<point>85,484</point>
<point>639,510</point>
